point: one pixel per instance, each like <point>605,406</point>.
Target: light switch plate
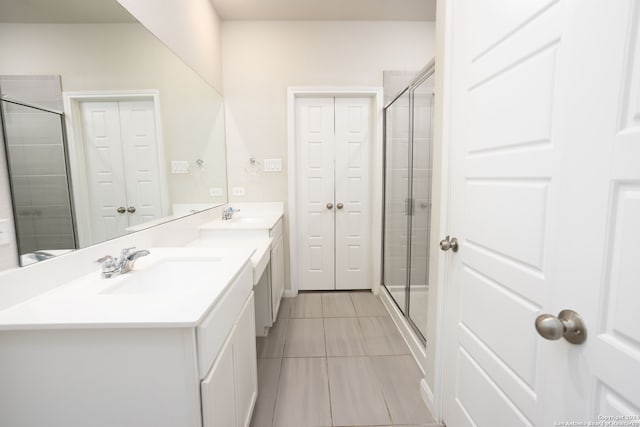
<point>4,231</point>
<point>238,191</point>
<point>179,166</point>
<point>273,165</point>
<point>215,192</point>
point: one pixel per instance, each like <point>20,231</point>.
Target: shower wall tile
<point>27,127</point>
<point>45,160</point>
<point>52,222</point>
<point>54,242</point>
<point>44,90</point>
<point>27,243</point>
<point>21,190</point>
<point>48,190</point>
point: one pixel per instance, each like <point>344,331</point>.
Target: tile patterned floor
<point>336,359</point>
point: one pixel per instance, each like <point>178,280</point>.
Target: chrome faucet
<point>121,265</point>
<point>227,214</point>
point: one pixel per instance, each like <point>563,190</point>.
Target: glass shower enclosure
<point>407,198</point>
<point>35,149</point>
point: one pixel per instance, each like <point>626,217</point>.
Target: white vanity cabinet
<point>197,372</point>
<point>269,279</point>
<point>230,388</point>
<point>277,269</point>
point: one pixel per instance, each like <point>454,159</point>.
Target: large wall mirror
<point>105,130</point>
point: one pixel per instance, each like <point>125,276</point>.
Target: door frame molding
<point>376,93</point>
<point>75,141</point>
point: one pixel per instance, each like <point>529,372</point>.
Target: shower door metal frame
<point>65,150</point>
<point>422,76</point>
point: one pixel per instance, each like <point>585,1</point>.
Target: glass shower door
<point>422,111</point>
<point>407,209</point>
<point>396,201</point>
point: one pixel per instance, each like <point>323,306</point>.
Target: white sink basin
<point>169,276</point>
<point>248,220</point>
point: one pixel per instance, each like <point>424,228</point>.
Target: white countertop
<point>260,245</point>
<point>245,221</point>
<point>82,303</point>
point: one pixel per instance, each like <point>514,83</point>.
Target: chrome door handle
<point>329,205</point>
<point>448,243</point>
<point>568,324</point>
<point>131,209</point>
<point>340,206</point>
<point>121,209</point>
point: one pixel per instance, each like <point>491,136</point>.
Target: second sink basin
<point>169,276</point>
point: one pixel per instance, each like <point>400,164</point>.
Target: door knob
<point>329,205</point>
<point>447,244</point>
<point>340,206</point>
<point>568,324</point>
<point>131,209</point>
<point>121,209</point>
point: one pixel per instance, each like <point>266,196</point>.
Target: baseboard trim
<point>288,293</point>
<point>427,394</point>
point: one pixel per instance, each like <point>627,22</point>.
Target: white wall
<point>99,57</point>
<point>190,28</point>
<point>262,59</point>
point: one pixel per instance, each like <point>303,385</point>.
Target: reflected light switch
<point>273,165</point>
<point>179,166</point>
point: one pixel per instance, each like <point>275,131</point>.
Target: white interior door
<point>140,156</point>
<point>545,195</point>
<point>314,127</point>
<point>333,139</point>
<point>105,170</point>
<point>352,193</point>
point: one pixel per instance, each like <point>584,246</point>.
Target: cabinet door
<point>245,364</point>
<point>218,391</point>
<point>277,277</point>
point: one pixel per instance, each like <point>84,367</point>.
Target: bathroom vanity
<point>258,225</point>
<point>172,343</point>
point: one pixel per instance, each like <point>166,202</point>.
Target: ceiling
<point>326,10</point>
<point>63,11</point>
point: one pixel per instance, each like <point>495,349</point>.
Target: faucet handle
<point>104,259</point>
<point>125,251</point>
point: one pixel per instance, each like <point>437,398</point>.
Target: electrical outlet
<point>4,231</point>
<point>273,165</point>
<point>215,192</point>
<point>238,191</point>
<point>179,166</point>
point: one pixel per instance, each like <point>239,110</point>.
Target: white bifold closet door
<point>121,153</point>
<point>333,136</point>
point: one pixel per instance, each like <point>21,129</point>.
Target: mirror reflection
<point>105,130</point>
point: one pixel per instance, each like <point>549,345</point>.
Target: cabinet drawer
<point>276,231</point>
<point>214,329</point>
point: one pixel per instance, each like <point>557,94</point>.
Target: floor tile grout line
<point>326,359</point>
<point>275,403</point>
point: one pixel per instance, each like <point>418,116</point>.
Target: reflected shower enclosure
<point>407,202</point>
<point>36,155</point>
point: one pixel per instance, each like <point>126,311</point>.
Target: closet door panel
<point>315,139</point>
<point>353,194</point>
<point>140,156</point>
<point>105,174</point>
